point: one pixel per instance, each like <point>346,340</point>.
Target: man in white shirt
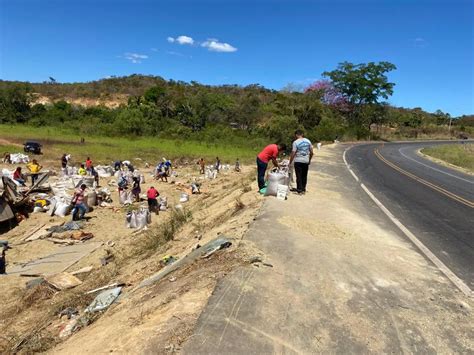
<point>301,155</point>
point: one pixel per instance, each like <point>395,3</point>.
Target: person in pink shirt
<point>270,152</point>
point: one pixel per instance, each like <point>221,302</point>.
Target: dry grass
<point>461,155</point>
<point>158,236</point>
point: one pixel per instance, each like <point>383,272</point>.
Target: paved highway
<point>436,203</point>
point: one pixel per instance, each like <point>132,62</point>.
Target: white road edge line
<point>348,166</point>
<point>433,258</point>
<point>433,168</point>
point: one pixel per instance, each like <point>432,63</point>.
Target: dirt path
<point>342,279</point>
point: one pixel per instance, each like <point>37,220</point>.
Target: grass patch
<point>160,235</point>
<point>461,155</point>
<point>101,149</point>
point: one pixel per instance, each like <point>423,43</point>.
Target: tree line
<point>349,102</point>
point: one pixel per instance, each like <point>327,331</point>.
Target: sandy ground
<point>153,317</point>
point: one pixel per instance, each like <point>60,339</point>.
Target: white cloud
<point>181,40</point>
<point>135,57</point>
<point>420,42</point>
<point>214,45</point>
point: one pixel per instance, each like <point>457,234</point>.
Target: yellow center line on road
<point>424,182</point>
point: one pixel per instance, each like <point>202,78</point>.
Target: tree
<point>362,83</point>
<point>15,103</point>
<point>327,93</point>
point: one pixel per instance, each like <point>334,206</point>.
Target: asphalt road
<point>434,202</point>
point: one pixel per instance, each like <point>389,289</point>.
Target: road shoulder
<point>339,277</point>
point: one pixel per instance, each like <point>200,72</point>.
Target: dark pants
<point>79,209</point>
<point>153,205</point>
<point>301,170</point>
<point>261,169</point>
<point>34,177</point>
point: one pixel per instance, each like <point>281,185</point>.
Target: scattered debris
<point>217,245</point>
<point>63,281</point>
<point>69,312</point>
<point>206,250</point>
<point>83,270</point>
<point>113,285</point>
<point>104,300</point>
<point>34,282</point>
<point>65,227</point>
<point>167,260</point>
<point>41,233</point>
<point>105,260</point>
<point>255,259</point>
<point>81,236</point>
<point>172,279</point>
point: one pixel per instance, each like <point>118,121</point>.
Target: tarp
<point>6,212</point>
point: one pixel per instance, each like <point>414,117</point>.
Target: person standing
<point>218,164</point>
<point>202,166</point>
<point>301,155</point>
<point>270,152</point>
<point>64,161</point>
<point>89,165</point>
<point>151,195</point>
<point>136,189</point>
<point>34,168</point>
<point>78,202</point>
<point>237,165</point>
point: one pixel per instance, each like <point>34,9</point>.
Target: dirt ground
<point>154,319</point>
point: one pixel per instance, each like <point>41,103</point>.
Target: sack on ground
<point>274,179</point>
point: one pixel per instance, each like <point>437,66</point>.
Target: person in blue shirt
<point>301,155</point>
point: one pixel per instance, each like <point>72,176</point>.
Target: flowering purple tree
<point>328,94</point>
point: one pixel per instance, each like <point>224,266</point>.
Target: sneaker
<point>263,190</point>
<point>293,189</point>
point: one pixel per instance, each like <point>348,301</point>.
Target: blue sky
<point>270,42</point>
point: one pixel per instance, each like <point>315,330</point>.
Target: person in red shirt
<point>152,194</point>
<point>18,176</point>
<point>89,165</point>
<point>270,152</point>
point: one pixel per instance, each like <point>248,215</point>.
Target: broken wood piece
<point>63,281</point>
<point>113,285</point>
<point>33,231</point>
<point>83,270</point>
<point>62,241</point>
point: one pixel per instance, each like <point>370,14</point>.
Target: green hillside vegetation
<point>239,116</point>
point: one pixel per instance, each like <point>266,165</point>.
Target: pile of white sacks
<point>19,158</point>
